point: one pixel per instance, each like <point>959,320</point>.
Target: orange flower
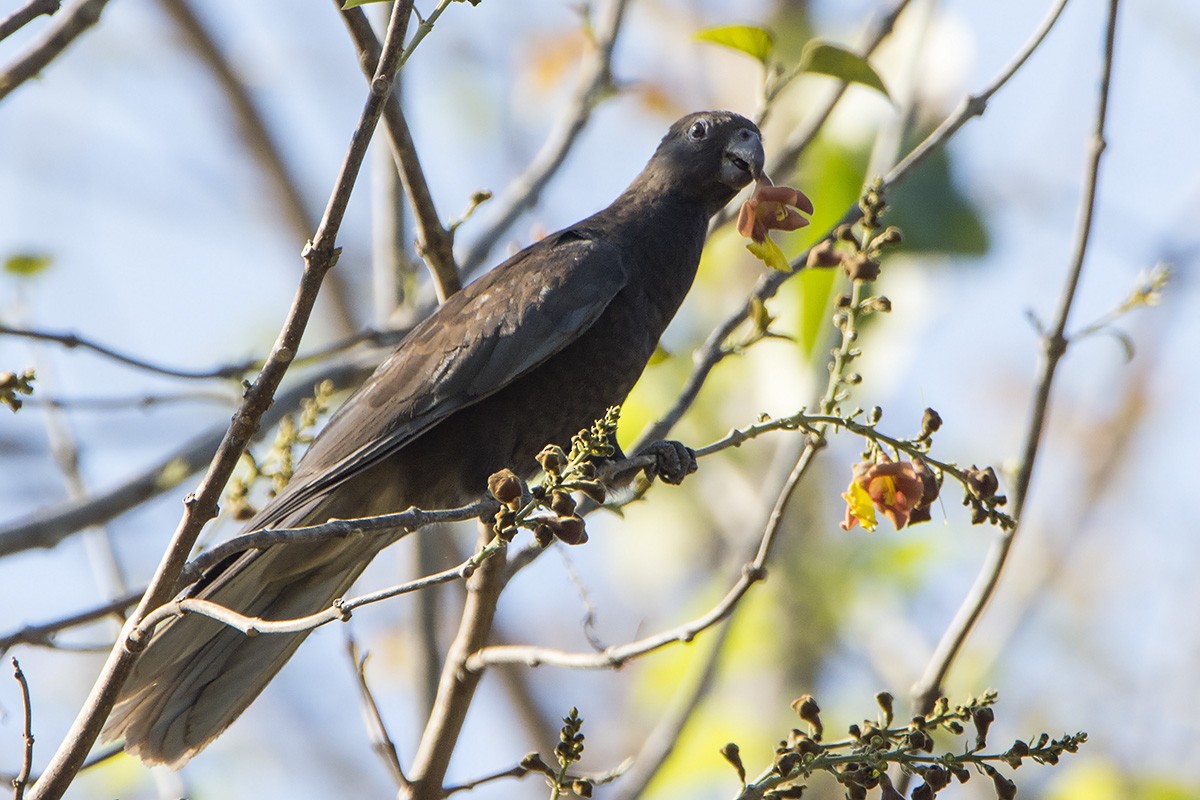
<point>772,208</point>
<point>895,488</point>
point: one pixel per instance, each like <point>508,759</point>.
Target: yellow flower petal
<point>769,253</point>
<point>860,506</point>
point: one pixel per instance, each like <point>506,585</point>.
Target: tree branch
<point>45,529</point>
<point>22,777</point>
<point>381,741</point>
<point>458,684</point>
<point>27,14</point>
<point>435,242</point>
<point>595,84</point>
<point>1054,344</point>
<point>320,256</point>
<point>70,25</point>
<point>615,657</point>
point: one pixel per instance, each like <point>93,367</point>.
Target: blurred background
<point>124,164</point>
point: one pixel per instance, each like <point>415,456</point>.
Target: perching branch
<point>595,84</point>
<point>1054,347</point>
<point>319,256</point>
<point>27,14</point>
<point>70,25</point>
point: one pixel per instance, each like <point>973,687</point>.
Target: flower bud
<point>505,486</point>
<point>553,459</point>
<point>571,530</point>
<point>562,504</point>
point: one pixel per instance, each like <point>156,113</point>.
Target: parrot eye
<point>698,130</point>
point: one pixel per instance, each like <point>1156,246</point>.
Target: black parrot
<point>528,354</point>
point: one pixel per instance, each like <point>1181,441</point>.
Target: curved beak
<point>743,158</point>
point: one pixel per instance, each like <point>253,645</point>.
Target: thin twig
<point>42,634</point>
<point>435,242</point>
<point>512,772</point>
<point>381,741</point>
<point>235,369</point>
<point>319,256</point>
<point>614,657</point>
<point>595,84</point>
<point>408,520</point>
<point>1054,343</point>
<point>46,529</point>
<point>27,14</point>
<point>713,351</point>
<point>661,742</point>
<point>70,25</point>
<point>263,147</point>
<point>22,778</point>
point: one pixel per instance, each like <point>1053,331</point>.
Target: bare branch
<point>615,657</point>
<point>435,242</point>
<point>42,634</point>
<point>47,528</point>
<point>457,686</point>
<point>22,778</point>
<point>319,256</point>
<point>595,84</point>
<point>1054,343</point>
<point>381,741</point>
<point>70,25</point>
<point>512,772</point>
<point>27,14</point>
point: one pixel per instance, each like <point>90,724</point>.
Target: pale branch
<point>27,14</point>
<point>663,739</point>
<point>381,740</point>
<point>263,147</point>
<point>45,529</point>
<point>22,778</point>
<point>517,771</point>
<point>435,242</point>
<point>319,255</point>
<point>614,657</point>
<point>1054,346</point>
<point>595,84</point>
<point>42,634</point>
<point>67,29</point>
<point>408,520</point>
<point>456,689</point>
<point>713,351</point>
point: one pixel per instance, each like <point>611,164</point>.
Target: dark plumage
<point>526,355</point>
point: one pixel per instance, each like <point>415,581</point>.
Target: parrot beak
<point>743,158</point>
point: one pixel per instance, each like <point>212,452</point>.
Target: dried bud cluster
<point>12,384</point>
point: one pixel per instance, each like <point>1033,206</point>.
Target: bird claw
<point>673,461</point>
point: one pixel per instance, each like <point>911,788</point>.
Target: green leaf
<point>357,3</point>
<point>753,41</point>
<point>26,264</point>
<point>829,59</point>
